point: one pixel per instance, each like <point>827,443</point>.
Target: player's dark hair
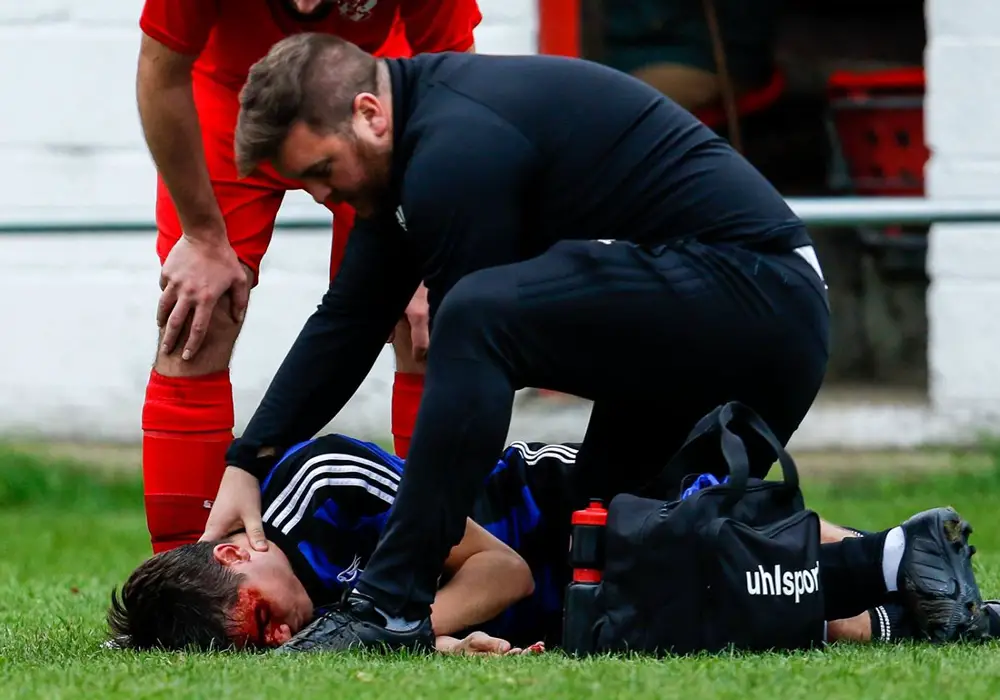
<point>178,599</point>
<point>310,78</point>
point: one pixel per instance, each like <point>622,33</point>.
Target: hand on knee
<point>215,352</point>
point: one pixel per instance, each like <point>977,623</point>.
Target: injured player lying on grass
<point>325,504</point>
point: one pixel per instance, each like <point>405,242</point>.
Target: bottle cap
<point>594,514</point>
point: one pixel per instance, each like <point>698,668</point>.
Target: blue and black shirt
<point>326,502</point>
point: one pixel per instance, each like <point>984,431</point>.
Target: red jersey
<point>229,36</point>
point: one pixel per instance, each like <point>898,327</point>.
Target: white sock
<point>398,624</point>
<point>892,555</point>
<point>394,624</point>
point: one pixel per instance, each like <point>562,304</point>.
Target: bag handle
<point>736,412</point>
<point>735,454</point>
<point>734,451</point>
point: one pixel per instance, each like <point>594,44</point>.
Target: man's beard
<point>376,165</point>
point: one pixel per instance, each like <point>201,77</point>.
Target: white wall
<point>963,130</point>
<point>77,311</point>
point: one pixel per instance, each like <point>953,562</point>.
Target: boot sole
<point>948,604</point>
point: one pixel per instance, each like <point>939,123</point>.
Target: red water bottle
<point>586,558</point>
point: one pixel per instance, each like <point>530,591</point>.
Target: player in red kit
<point>215,228</point>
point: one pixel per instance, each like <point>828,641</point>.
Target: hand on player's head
<point>209,595</point>
<point>237,507</point>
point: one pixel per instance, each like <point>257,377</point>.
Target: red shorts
<point>249,206</point>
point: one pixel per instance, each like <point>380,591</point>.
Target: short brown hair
<point>310,78</point>
<point>179,599</point>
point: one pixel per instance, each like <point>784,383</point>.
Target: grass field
<point>68,536</point>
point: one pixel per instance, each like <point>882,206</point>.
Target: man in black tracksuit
<point>576,231</point>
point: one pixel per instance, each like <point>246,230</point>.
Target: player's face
<point>350,166</point>
<point>273,605</point>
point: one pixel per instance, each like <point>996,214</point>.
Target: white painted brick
<point>964,253</point>
<point>299,205</point>
<point>963,131</point>
<point>86,99</point>
<point>41,186</point>
<point>962,111</point>
<point>964,337</point>
<point>507,12</point>
<point>108,12</point>
<point>37,11</point>
<point>967,19</point>
<point>48,186</point>
<point>75,88</point>
<point>508,40</point>
<point>961,178</point>
<point>86,374</point>
<point>80,13</point>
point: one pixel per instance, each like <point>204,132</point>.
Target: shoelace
<point>340,606</point>
<point>330,612</point>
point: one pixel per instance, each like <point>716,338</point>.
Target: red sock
<point>187,426</point>
<point>406,392</point>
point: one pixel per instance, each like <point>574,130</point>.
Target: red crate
<point>878,128</point>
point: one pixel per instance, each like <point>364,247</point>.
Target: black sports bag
<point>733,565</point>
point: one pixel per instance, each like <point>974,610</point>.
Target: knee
<point>479,305</point>
<point>402,347</point>
<point>215,352</point>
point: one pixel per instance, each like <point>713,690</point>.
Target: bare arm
<point>202,266</point>
<point>173,135</point>
<point>487,577</point>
